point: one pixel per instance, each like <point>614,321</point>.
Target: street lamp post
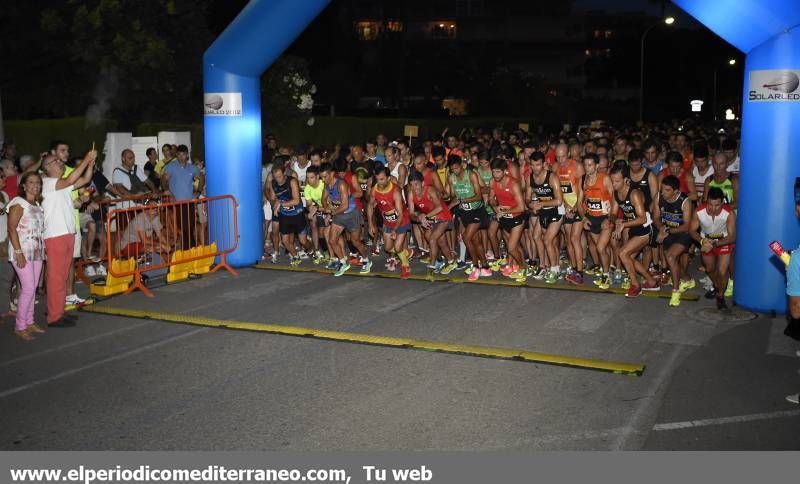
<point>667,21</point>
<point>731,62</point>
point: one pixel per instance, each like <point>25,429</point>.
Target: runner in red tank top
<point>675,168</point>
<point>507,200</point>
<point>426,207</point>
<point>396,223</point>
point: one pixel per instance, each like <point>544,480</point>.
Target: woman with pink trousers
<point>26,249</point>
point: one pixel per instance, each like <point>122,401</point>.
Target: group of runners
<point>631,214</point>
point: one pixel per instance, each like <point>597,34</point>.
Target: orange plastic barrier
<point>184,237</point>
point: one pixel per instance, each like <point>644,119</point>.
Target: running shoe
<point>461,265</point>
<point>74,300</point>
<point>633,292</point>
<point>405,272</point>
<point>317,258</point>
<point>437,267</point>
<point>90,271</point>
<point>391,264</point>
<point>729,289</point>
<point>343,267</point>
<point>273,258</point>
<point>332,265</point>
<point>675,299</point>
<point>551,277</point>
<point>366,267</point>
<point>575,277</point>
<point>494,264</point>
<point>474,275</point>
<point>295,261</point>
<point>793,398</point>
<point>721,305</point>
<point>616,278</point>
<point>469,269</point>
<point>101,270</point>
<point>447,269</point>
<point>604,282</point>
<point>530,270</point>
<point>626,283</point>
<point>486,272</point>
<point>710,294</point>
<point>654,287</point>
<point>303,255</point>
<point>425,259</point>
<point>592,270</point>
<point>686,285</point>
<point>542,274</point>
<point>507,270</point>
<point>519,275</point>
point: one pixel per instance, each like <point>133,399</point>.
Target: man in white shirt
<point>60,229</point>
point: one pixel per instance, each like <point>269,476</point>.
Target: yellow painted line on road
<point>487,282</point>
<point>407,343</point>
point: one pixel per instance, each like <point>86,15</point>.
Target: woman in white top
<point>26,249</point>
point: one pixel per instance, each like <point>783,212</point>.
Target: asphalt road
<point>115,383</point>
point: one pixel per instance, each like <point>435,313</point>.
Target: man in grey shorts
<point>339,203</point>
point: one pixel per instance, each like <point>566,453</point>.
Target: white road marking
<point>74,343</point>
<point>647,408</point>
<point>119,356</point>
<point>725,420</point>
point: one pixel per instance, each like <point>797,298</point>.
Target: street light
<point>731,62</point>
<point>667,21</point>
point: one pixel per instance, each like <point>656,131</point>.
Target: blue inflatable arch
<point>766,30</point>
<point>232,67</point>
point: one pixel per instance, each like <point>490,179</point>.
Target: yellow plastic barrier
<point>115,285</point>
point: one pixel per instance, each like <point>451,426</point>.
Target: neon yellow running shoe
<point>729,290</point>
<point>675,299</point>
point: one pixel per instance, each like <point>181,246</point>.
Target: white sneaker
<point>101,270</point>
<point>74,299</point>
<point>793,398</point>
<point>303,255</point>
<point>89,271</point>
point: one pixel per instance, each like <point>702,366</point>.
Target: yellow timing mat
<point>487,282</point>
<point>456,349</point>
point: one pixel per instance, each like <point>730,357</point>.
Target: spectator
<point>126,179</point>
<point>150,167</point>
<point>26,247</point>
<point>4,198</point>
<point>9,152</point>
<point>179,179</point>
<point>143,235</point>
<point>166,150</point>
<point>9,171</point>
<point>60,229</point>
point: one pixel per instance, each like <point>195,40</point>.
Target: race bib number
<point>507,215</point>
<point>390,216</point>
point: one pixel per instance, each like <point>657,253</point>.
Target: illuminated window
<point>443,29</point>
<point>394,26</point>
<point>609,34</point>
<point>367,30</point>
<point>598,34</point>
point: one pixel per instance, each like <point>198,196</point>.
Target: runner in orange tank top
<point>569,173</point>
<point>596,204</point>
